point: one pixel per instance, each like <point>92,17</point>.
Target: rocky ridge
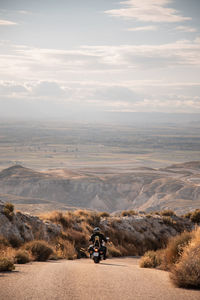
<point>135,233</point>
<point>22,227</point>
<point>176,187</point>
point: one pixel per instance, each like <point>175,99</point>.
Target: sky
<point>82,58</point>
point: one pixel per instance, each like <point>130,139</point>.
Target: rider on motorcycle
<point>97,235</point>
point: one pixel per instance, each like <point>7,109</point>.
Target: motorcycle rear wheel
<point>96,260</point>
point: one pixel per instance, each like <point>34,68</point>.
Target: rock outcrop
<point>21,228</point>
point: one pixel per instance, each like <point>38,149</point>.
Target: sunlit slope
<point>176,187</point>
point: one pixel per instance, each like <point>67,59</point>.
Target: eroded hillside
<point>176,187</point>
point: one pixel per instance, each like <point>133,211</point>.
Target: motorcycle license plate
<point>96,254</point>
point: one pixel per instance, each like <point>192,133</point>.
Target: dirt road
<point>82,279</point>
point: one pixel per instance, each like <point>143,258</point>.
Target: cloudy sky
<point>89,56</point>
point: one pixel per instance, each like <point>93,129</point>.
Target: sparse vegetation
<point>40,250</point>
<point>167,212</point>
<point>168,221</point>
<point>186,272</point>
<point>113,251</point>
<point>124,231</point>
<point>175,247</point>
<point>181,257</point>
<point>22,257</point>
<point>151,259</point>
<point>128,213</point>
<point>195,216</point>
<point>3,243</point>
<point>9,211</point>
<point>6,264</point>
<point>104,214</point>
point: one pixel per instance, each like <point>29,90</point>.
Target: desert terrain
<point>175,187</point>
<point>47,166</point>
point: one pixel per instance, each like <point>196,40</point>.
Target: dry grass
<point>65,249</point>
<point>152,259</point>
<point>64,219</point>
<point>9,211</point>
<point>181,257</point>
<point>128,213</point>
<point>104,214</point>
<point>193,216</point>
<point>167,213</point>
<point>166,258</point>
<point>113,251</point>
<point>175,247</point>
<point>3,243</point>
<point>186,272</point>
<point>22,257</point>
<point>40,250</point>
<point>6,264</point>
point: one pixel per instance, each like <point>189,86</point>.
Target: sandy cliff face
<point>176,187</point>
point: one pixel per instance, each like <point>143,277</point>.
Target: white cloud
<point>7,23</point>
<point>13,89</point>
<point>148,10</point>
<point>186,29</point>
<point>24,12</point>
<point>47,89</point>
<point>143,28</point>
<point>90,62</point>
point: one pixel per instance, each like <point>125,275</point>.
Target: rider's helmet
<point>96,230</point>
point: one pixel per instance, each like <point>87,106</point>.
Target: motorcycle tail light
<point>96,250</point>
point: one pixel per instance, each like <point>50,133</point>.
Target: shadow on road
<point>115,265</point>
<point>8,273</point>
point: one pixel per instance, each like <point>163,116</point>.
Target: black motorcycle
<point>97,252</point>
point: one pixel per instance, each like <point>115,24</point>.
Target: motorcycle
<point>97,252</point>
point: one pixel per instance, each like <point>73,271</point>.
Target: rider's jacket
<point>99,236</point>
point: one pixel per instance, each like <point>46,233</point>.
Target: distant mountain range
<point>176,187</point>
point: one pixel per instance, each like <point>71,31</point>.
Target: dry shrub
<point>151,259</point>
<point>168,221</point>
<point>79,238</point>
<point>113,251</point>
<point>104,214</point>
<point>15,242</point>
<point>9,206</point>
<point>22,257</point>
<point>166,258</point>
<point>64,219</point>
<point>195,216</point>
<point>90,217</point>
<point>3,243</point>
<point>40,250</point>
<point>8,211</point>
<point>82,212</point>
<point>186,273</point>
<point>65,249</point>
<point>6,264</point>
<point>167,213</point>
<point>187,215</point>
<point>128,213</point>
<point>175,247</point>
<point>146,262</point>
